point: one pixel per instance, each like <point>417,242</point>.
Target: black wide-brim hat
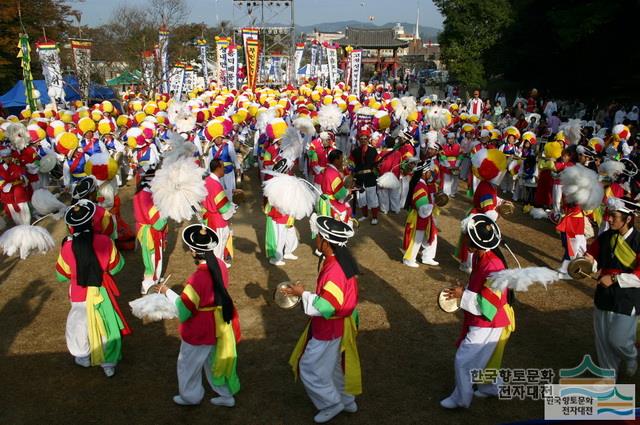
<point>84,188</point>
<point>483,231</point>
<point>630,168</point>
<point>332,230</point>
<point>281,166</point>
<point>80,213</point>
<point>200,238</point>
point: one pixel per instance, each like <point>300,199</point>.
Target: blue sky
<point>307,12</point>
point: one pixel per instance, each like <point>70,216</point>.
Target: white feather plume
<point>304,125</point>
<point>185,122</point>
<point>177,187</point>
<point>521,279</point>
<point>409,106</point>
<point>389,181</point>
<point>264,118</point>
<point>312,224</point>
<point>179,148</point>
<point>45,202</point>
<point>24,238</point>
<point>292,145</point>
<point>153,307</point>
<point>538,213</point>
<point>18,136</point>
<point>580,186</point>
<point>174,109</point>
<point>330,117</point>
<point>611,168</point>
<point>290,195</point>
<point>572,131</point>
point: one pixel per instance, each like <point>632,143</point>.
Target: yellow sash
<point>229,244</point>
<point>223,365</point>
<point>348,347</point>
<point>496,358</point>
<point>97,330</point>
<point>623,252</point>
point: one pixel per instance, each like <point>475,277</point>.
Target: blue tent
<point>15,98</point>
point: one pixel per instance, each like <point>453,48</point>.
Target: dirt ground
<point>406,343</point>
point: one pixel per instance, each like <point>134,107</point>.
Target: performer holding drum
<point>488,317</point>
<point>326,355</point>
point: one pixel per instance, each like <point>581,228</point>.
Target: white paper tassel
<point>177,187</point>
<point>330,117</point>
<point>265,118</point>
<point>18,136</point>
<point>304,125</point>
<point>389,181</point>
<point>611,168</point>
<point>153,307</point>
<point>45,202</point>
<point>581,186</point>
<point>24,239</point>
<point>521,279</point>
<point>290,195</point>
<point>572,131</point>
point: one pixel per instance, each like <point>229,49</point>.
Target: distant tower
<point>417,36</point>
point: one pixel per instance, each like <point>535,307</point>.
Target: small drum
<point>448,306</point>
<point>238,196</point>
<point>283,301</point>
<point>441,199</point>
<point>579,268</point>
<point>506,208</point>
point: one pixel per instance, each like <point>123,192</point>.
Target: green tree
<point>471,28</point>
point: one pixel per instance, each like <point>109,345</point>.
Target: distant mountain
<point>426,33</point>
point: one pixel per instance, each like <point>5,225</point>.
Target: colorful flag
<point>82,58</point>
<point>163,55</point>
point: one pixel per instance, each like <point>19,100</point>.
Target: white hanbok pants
<point>77,332</point>
<point>428,249</point>
<point>615,338</point>
<point>193,361</point>
<point>223,236</point>
<point>20,217</point>
<point>474,353</point>
<point>556,193</point>
<point>229,184</point>
<point>287,240</point>
<point>450,184</point>
<point>368,198</point>
<point>389,199</point>
<point>321,373</point>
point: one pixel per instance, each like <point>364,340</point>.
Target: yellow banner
<point>253,53</point>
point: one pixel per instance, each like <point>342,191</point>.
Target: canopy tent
<point>15,97</point>
<point>126,78</point>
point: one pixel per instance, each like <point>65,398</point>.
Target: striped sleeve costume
<point>329,340</point>
<point>332,203</point>
<point>419,219</point>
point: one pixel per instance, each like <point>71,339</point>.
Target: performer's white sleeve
<point>173,297</point>
<point>469,302</point>
<point>66,174</point>
<point>628,280</point>
<point>308,298</point>
<point>492,214</point>
<point>425,210</point>
<point>230,212</point>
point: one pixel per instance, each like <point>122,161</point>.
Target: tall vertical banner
<point>222,43</point>
<point>297,58</point>
<point>332,61</point>
<point>232,66</point>
<point>314,59</point>
<point>203,46</point>
<point>180,75</point>
<point>148,65</point>
<point>356,63</point>
<point>189,78</point>
<point>24,53</point>
<point>163,56</point>
<point>49,55</point>
<point>253,54</point>
<point>82,58</point>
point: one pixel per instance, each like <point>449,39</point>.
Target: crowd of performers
<point>361,156</point>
